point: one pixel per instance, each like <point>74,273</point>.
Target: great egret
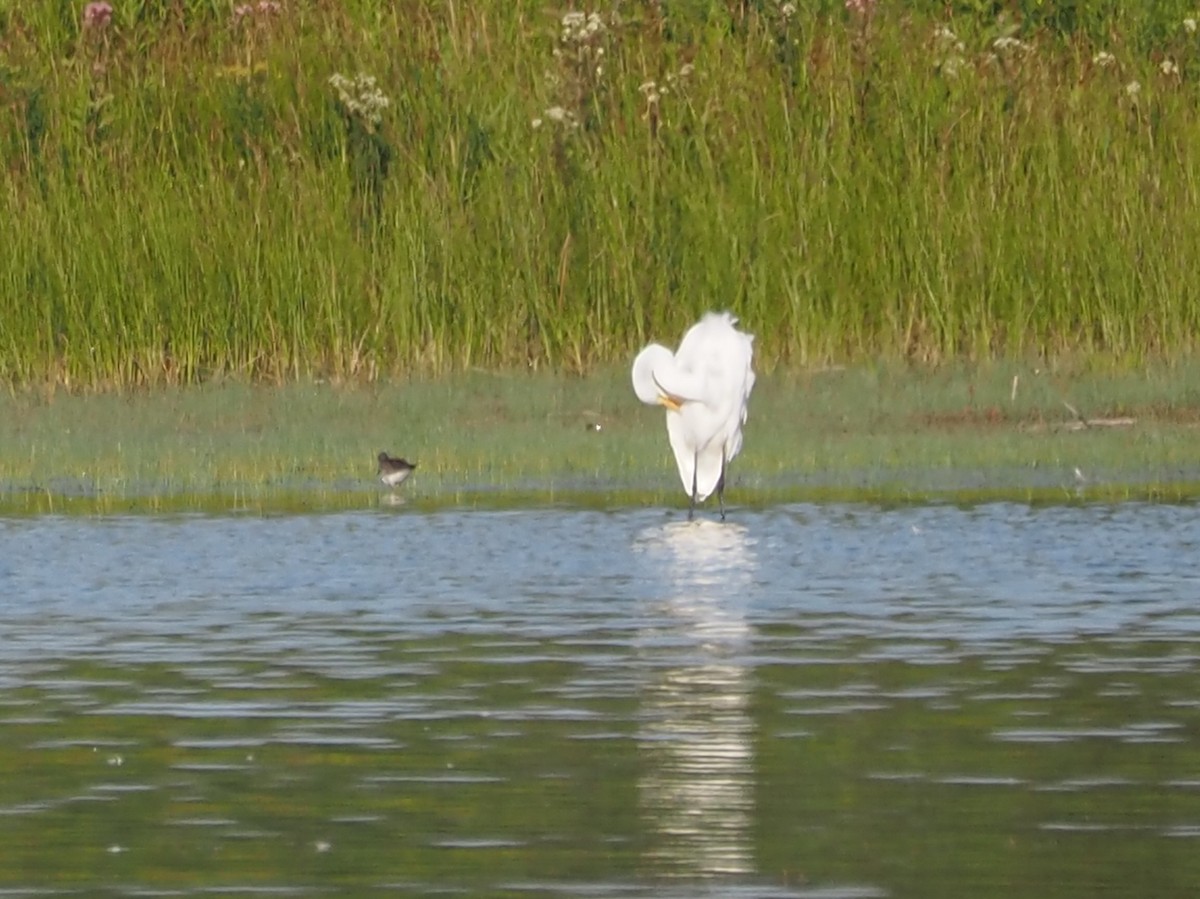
<point>705,386</point>
<point>394,472</point>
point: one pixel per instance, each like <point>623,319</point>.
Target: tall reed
<point>194,189</point>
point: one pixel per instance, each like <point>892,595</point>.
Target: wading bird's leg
<point>721,488</point>
<point>692,506</point>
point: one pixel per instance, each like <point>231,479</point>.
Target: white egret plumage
<point>705,386</point>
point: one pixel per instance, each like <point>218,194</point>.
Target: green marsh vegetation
<point>247,246</point>
<point>357,190</point>
<point>880,434</point>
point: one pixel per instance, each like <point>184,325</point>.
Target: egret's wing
<point>733,379</point>
<point>733,444</point>
<point>681,446</point>
<point>708,472</point>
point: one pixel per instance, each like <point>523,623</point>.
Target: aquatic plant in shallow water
<point>889,435</point>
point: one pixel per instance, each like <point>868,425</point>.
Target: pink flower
<point>97,15</point>
<point>262,8</point>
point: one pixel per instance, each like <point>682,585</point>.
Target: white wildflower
<point>1104,59</point>
<point>560,116</point>
<point>1132,89</point>
<point>1168,67</point>
<point>1190,25</point>
<point>947,39</point>
<point>673,78</point>
<point>650,90</point>
<point>581,28</point>
<point>787,10</point>
<point>949,51</point>
<point>596,24</point>
<point>1009,44</point>
<point>360,97</point>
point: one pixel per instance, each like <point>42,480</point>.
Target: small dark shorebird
<point>394,472</point>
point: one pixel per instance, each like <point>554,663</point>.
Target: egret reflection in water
<point>696,792</point>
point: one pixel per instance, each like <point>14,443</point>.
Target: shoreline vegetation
<point>887,435</point>
<point>280,192</point>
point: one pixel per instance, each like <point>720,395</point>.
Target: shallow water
<point>818,701</point>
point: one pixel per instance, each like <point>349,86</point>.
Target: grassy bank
<point>880,434</point>
<point>193,191</point>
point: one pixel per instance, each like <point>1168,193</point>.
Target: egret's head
<point>645,384</point>
<point>673,403</point>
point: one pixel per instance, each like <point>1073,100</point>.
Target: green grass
<point>887,434</point>
<point>191,198</point>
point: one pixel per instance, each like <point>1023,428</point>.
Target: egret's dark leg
<point>692,507</point>
<point>721,488</point>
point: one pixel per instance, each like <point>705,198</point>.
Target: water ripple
<point>796,703</point>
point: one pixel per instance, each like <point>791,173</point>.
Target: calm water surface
<point>810,701</point>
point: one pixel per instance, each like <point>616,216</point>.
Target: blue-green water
<point>816,701</point>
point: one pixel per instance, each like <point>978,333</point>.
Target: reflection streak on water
<point>697,785</point>
<point>769,695</point>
